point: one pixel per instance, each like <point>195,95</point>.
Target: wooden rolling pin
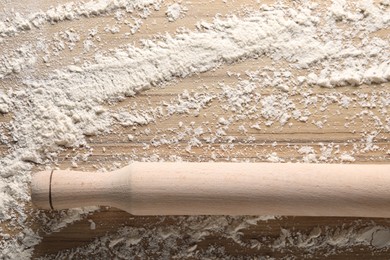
<point>223,189</point>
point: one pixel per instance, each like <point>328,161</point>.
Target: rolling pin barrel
<point>223,189</point>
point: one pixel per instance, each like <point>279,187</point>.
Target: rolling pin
<point>183,188</point>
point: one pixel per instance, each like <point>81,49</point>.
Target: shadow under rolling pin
<point>183,188</point>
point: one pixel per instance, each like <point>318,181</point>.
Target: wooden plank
<point>119,149</point>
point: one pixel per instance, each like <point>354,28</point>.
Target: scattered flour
<point>18,60</point>
<point>59,111</point>
<point>69,11</point>
<point>167,240</point>
<point>273,157</point>
<point>345,157</point>
<point>175,11</point>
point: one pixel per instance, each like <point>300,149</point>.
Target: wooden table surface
<point>115,149</point>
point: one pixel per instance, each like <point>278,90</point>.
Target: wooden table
<point>115,149</point>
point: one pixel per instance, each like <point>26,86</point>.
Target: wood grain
<point>80,234</point>
<point>118,148</point>
<point>344,129</point>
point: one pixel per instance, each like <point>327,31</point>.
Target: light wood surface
<point>208,188</point>
<point>114,149</point>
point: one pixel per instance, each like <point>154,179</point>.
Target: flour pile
<point>305,47</point>
<point>175,11</point>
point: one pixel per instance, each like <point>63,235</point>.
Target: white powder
<point>69,11</point>
<point>175,11</point>
<point>92,224</point>
<point>4,103</point>
<point>57,112</point>
<point>273,157</point>
<point>167,241</point>
<point>18,60</point>
<point>345,157</point>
